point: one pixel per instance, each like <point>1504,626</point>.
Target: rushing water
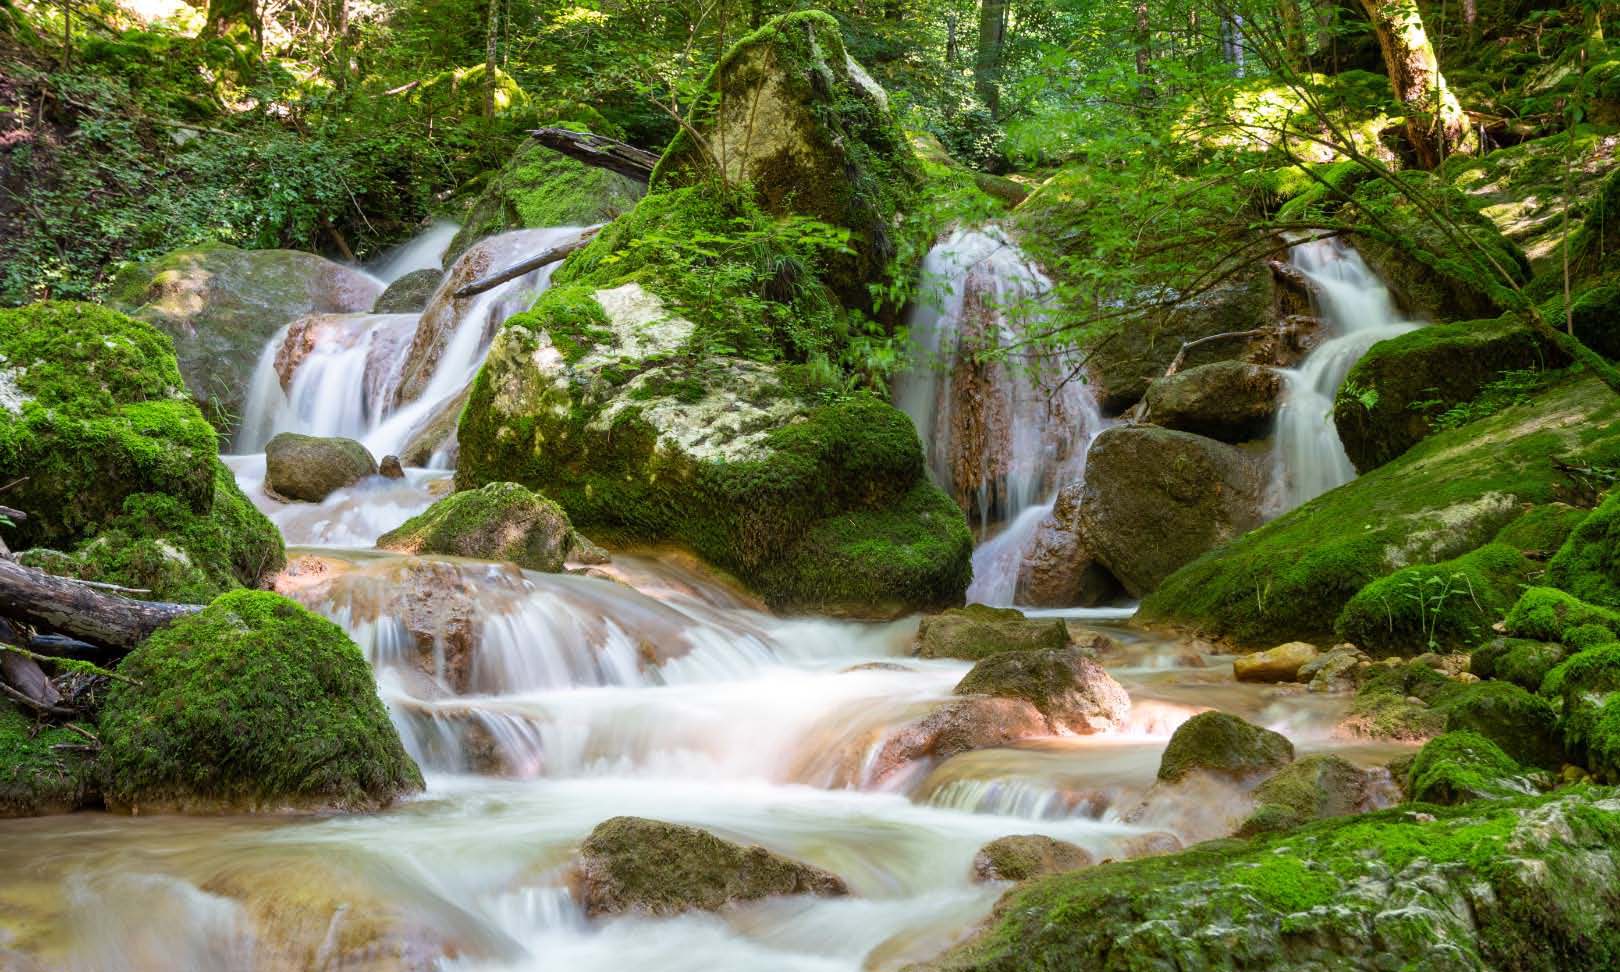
<point>1359,311</point>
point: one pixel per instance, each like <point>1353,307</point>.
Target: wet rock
<point>1155,499</point>
<point>640,866</point>
<point>1315,787</point>
<point>409,294</point>
<point>1023,856</point>
<point>1067,686</point>
<point>583,550</point>
<point>1459,767</point>
<point>1154,844</point>
<point>1232,401</point>
<point>1334,670</point>
<point>434,441</point>
<point>980,722</point>
<point>1058,570</point>
<point>1223,745</point>
<point>499,521</point>
<point>222,305</point>
<point>978,631</point>
<point>310,468</point>
<point>1280,664</point>
<point>390,468</point>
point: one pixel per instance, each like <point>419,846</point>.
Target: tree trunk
<point>491,36</point>
<point>1436,123</point>
<point>1293,31</point>
<point>58,604</point>
<point>340,27</point>
<point>987,66</point>
<point>1144,53</point>
<point>599,151</point>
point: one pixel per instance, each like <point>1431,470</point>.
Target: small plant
<point>1363,395</point>
<point>1514,387</point>
<point>1430,595</point>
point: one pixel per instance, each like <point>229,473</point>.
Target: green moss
<point>1545,614</point>
<point>1585,686</point>
<point>1400,702</point>
<point>1603,742</point>
<point>1520,661</point>
<point>499,521</point>
<point>1462,766</point>
<point>1522,724</point>
<point>252,703</point>
<point>1543,529</point>
<point>1432,607</point>
<point>1315,787</point>
<point>977,631</point>
<point>1220,743</point>
<point>571,317</point>
<point>1588,563</point>
<point>43,769</point>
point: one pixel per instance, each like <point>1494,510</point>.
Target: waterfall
<point>425,251</point>
<point>1358,311</point>
<point>1002,432</point>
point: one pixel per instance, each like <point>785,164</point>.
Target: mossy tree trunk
<point>1436,123</point>
<point>491,36</point>
<point>1293,32</point>
<point>224,14</point>
<point>987,66</point>
<point>1144,53</point>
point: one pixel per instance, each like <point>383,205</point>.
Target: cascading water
<point>1002,431</point>
<point>1359,311</point>
<point>425,251</point>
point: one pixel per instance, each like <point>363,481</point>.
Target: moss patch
<point>1462,766</point>
<point>1216,742</point>
<point>43,769</point>
<point>499,521</point>
<point>1546,614</point>
<point>1588,563</point>
<point>1434,607</point>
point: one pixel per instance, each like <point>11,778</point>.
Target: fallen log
<point>50,645</point>
<point>599,151</point>
<point>533,263</point>
<point>116,624</point>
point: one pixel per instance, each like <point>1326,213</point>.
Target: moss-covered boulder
<point>410,293</point>
<point>1058,569</point>
<point>1224,745</point>
<point>1585,686</point>
<point>1523,725</point>
<point>43,769</point>
<point>1524,662</point>
<point>1232,401</point>
<point>311,468</point>
<point>252,704</point>
<point>1491,885</point>
<point>1548,614</point>
<point>788,111</point>
<point>1024,856</point>
<point>1462,766</point>
<point>1450,494</point>
<point>1400,703</point>
<point>98,439</point>
<point>1155,499</point>
<point>977,631</point>
<point>1066,685</point>
<point>538,188</point>
<point>1432,607</point>
<point>222,305</point>
<point>648,867</point>
<point>498,521</point>
<point>1314,787</point>
<point>1588,563</point>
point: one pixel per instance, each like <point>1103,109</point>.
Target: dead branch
<point>599,151</point>
<point>533,263</point>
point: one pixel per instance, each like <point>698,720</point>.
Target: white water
<point>1003,433</point>
<point>425,251</point>
<point>1359,311</point>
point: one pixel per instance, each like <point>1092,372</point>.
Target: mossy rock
<point>1232,401</point>
<point>409,294</point>
<point>498,521</point>
<point>1547,614</point>
<point>1447,606</point>
<point>1586,685</point>
<point>1523,725</point>
<point>113,463</point>
<point>1463,766</point>
<point>43,769</point>
<point>1489,885</point>
<point>1224,745</point>
<point>1588,563</point>
<point>251,704</point>
<point>1520,661</point>
<point>1065,685</point>
<point>977,632</point>
<point>539,188</point>
<point>1400,703</point>
<point>310,468</point>
<point>1313,787</point>
<point>1448,495</point>
<point>1542,529</point>
<point>1024,856</point>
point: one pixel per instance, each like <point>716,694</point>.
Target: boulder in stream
<point>1223,745</point>
<point>959,726</point>
<point>1315,787</point>
<point>497,521</point>
<point>978,631</point>
<point>311,468</point>
<point>1460,767</point>
<point>410,293</point>
<point>1065,685</point>
<point>1023,856</point>
<point>648,867</point>
<point>1232,401</point>
<point>1280,664</point>
<point>1059,570</point>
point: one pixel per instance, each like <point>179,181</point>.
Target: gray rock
<point>978,631</point>
<point>1232,401</point>
<point>1023,856</point>
<point>310,468</point>
<point>1059,570</point>
<point>1065,685</point>
<point>409,294</point>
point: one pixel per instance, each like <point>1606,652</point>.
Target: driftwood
<point>116,624</point>
<point>15,516</point>
<point>1181,356</point>
<point>531,264</point>
<point>599,151</point>
<point>50,645</point>
<point>23,673</point>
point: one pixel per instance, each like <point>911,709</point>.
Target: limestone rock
<point>1059,571</point>
<point>977,631</point>
<point>410,293</point>
<point>1232,401</point>
<point>960,726</point>
<point>1280,664</point>
<point>1223,745</point>
<point>1023,856</point>
<point>1314,787</point>
<point>311,468</point>
<point>499,521</point>
<point>1065,685</point>
<point>1334,670</point>
<point>648,867</point>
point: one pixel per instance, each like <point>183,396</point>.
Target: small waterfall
<point>425,251</point>
<point>1359,311</point>
<point>1002,431</point>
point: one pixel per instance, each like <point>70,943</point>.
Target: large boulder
<point>959,726</point>
<point>1314,787</point>
<point>499,521</point>
<point>648,867</point>
<point>1450,605</point>
<point>1468,889</point>
<point>1587,565</point>
<point>1232,401</point>
<point>979,631</point>
<point>221,306</point>
<point>1462,766</point>
<point>1448,495</point>
<point>1155,499</point>
<point>1065,685</point>
<point>311,468</point>
<point>1521,723</point>
<point>251,704</point>
<point>1024,856</point>
<point>99,444</point>
<point>1223,745</point>
<point>1059,570</point>
<point>1586,686</point>
<point>410,293</point>
<point>790,112</point>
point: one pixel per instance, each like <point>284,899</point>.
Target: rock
<point>500,521</point>
<point>1154,500</point>
<point>1447,496</point>
<point>1232,401</point>
<point>310,468</point>
<point>390,468</point>
<point>1224,745</point>
<point>1461,598</point>
<point>961,726</point>
<point>1398,702</point>
<point>1154,844</point>
<point>1280,664</point>
<point>1023,856</point>
<point>1459,767</point>
<point>253,704</point>
<point>1548,614</point>
<point>410,293</point>
<point>1058,570</point>
<point>584,551</point>
<point>222,305</point>
<point>1518,661</point>
<point>1068,687</point>
<point>1522,724</point>
<point>434,441</point>
<point>648,867</point>
<point>977,631</point>
<point>384,337</point>
<point>790,112</point>
<point>1587,565</point>
<point>1392,890</point>
<point>1315,787</point>
<point>538,188</point>
<point>1334,670</point>
<point>1586,686</point>
<point>114,465</point>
